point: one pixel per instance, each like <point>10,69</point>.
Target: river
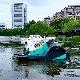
<point>11,69</point>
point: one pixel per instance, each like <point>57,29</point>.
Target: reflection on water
<point>72,72</point>
<point>36,70</point>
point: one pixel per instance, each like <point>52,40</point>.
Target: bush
<point>60,38</point>
<point>76,38</point>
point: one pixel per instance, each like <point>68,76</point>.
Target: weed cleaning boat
<point>44,51</point>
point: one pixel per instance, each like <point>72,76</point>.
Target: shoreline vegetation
<point>67,24</point>
<point>69,43</point>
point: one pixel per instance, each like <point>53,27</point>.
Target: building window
<point>18,20</point>
<point>17,15</point>
<point>12,23</point>
<point>17,10</point>
<point>73,9</point>
<point>77,10</point>
<point>70,13</point>
<point>69,10</point>
<point>2,26</point>
<point>73,16</point>
<point>77,7</point>
<point>17,25</point>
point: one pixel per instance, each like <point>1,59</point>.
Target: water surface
<point>36,70</point>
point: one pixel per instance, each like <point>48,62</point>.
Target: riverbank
<point>7,39</point>
<point>73,42</point>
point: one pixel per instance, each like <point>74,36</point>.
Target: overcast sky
<point>36,9</point>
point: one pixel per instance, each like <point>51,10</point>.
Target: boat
<point>44,51</point>
<point>52,53</point>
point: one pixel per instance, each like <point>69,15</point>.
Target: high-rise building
<point>19,15</point>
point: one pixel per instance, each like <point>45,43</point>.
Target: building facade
<point>3,26</point>
<point>19,15</point>
<point>70,11</point>
<point>57,15</point>
<point>48,19</point>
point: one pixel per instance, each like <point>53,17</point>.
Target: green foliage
<point>40,28</point>
<point>69,41</point>
<point>11,32</point>
<point>66,39</point>
<point>59,22</point>
<point>72,39</point>
<point>16,31</point>
<point>69,26</point>
<point>75,38</point>
<point>78,19</point>
<point>57,38</point>
<point>0,31</point>
<point>68,44</point>
<point>60,38</point>
<point>27,25</point>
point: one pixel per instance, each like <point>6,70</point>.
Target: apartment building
<point>48,19</point>
<point>3,26</point>
<point>57,15</point>
<point>70,11</point>
<point>19,15</point>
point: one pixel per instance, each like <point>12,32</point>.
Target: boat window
<point>60,50</point>
<point>50,51</point>
<point>57,50</point>
<point>35,36</point>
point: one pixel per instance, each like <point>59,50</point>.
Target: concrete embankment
<point>7,39</point>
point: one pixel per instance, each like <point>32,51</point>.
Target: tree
<point>69,26</point>
<point>17,31</point>
<point>40,28</point>
<point>59,22</point>
<point>0,32</point>
<point>4,32</point>
<point>9,32</point>
<point>78,19</point>
<point>27,25</point>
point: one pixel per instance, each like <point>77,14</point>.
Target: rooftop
<point>73,5</point>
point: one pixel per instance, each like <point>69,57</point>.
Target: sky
<point>36,9</point>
